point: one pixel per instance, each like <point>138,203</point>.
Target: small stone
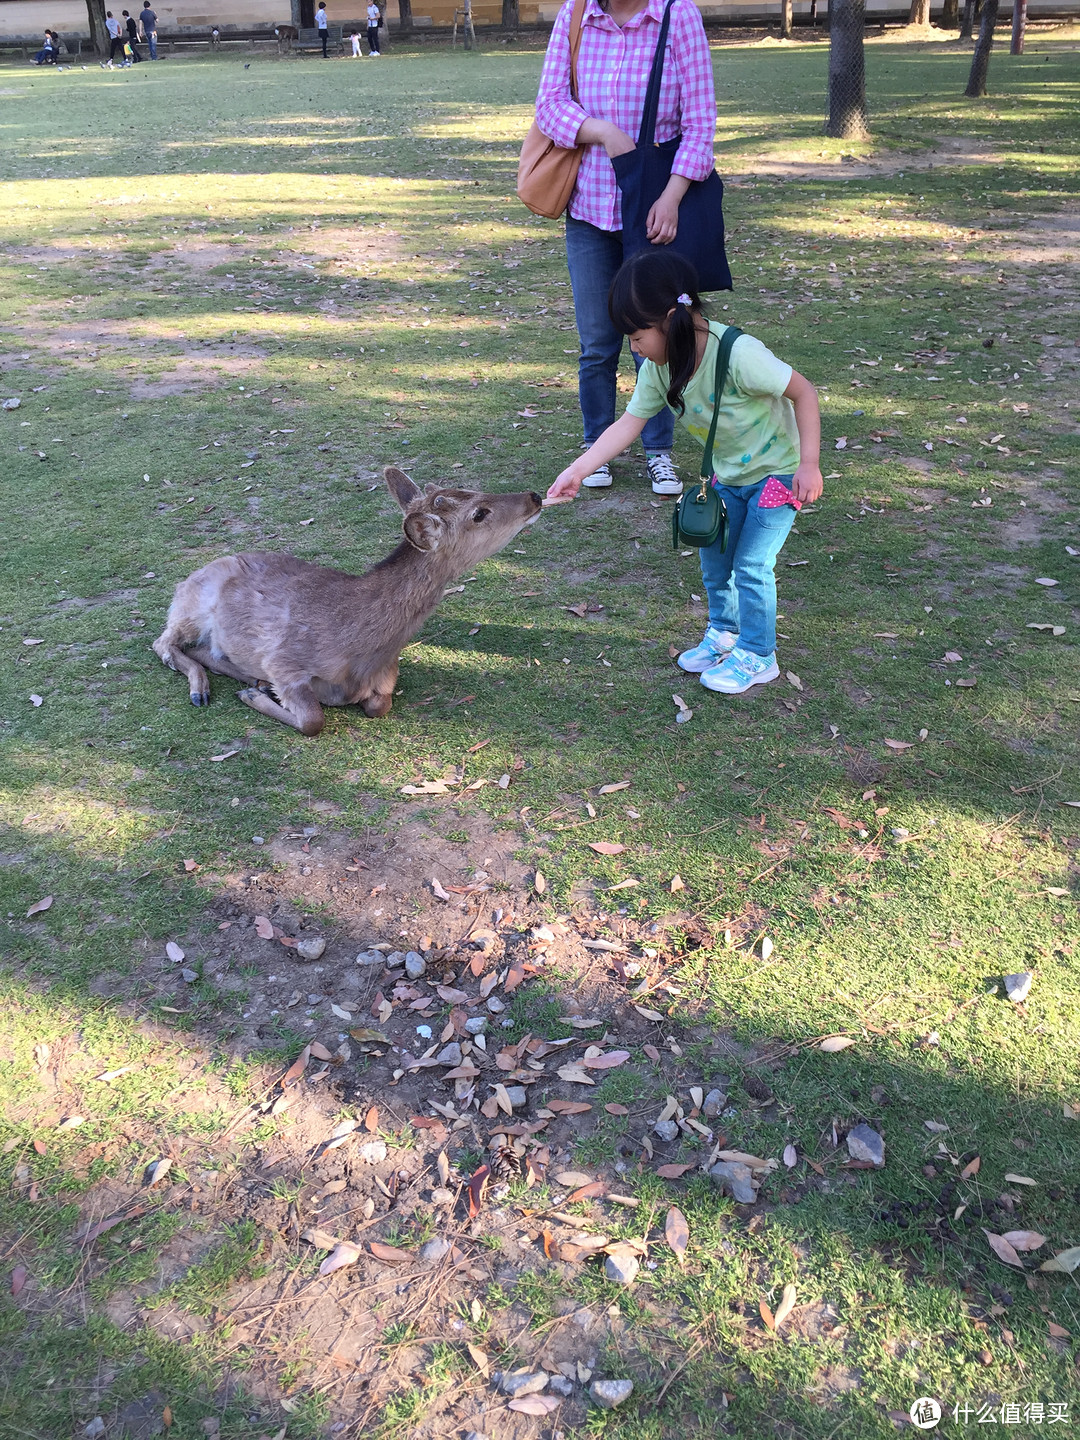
<point>435,1250</point>
<point>189,975</point>
<point>561,1385</point>
<point>95,1428</point>
<point>495,1005</point>
<point>518,1096</point>
<point>311,949</point>
<point>442,1196</point>
<point>314,999</point>
<point>395,959</point>
<point>211,1425</point>
<point>737,1179</point>
<point>866,1144</point>
<point>622,1267</point>
<point>415,965</point>
<point>609,1393</point>
<point>1018,987</point>
<point>475,1435</point>
<point>476,1024</point>
<point>899,833</point>
<point>449,1054</point>
<point>522,1382</point>
<point>715,1101</point>
<point>257,840</point>
<point>542,935</point>
<point>372,1151</point>
<point>369,957</point>
<point>666,1129</point>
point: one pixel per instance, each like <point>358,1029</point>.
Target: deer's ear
<point>401,487</point>
<point>423,530</point>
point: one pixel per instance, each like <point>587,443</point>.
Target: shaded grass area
<point>297,274</point>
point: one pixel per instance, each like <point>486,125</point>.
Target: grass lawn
<point>229,295</point>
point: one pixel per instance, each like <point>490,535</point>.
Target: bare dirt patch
<point>948,151</point>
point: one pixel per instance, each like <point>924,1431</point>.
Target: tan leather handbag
<point>547,172</point>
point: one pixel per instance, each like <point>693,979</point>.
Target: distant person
<point>374,20</point>
<point>354,39</point>
<point>115,41</point>
<point>148,20</point>
<point>47,54</point>
<point>322,22</point>
<point>132,36</point>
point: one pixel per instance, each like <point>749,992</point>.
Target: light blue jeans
<point>740,580</point>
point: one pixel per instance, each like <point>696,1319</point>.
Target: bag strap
<point>577,19</point>
<point>723,359</point>
<point>647,133</point>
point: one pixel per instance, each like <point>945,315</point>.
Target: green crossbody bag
<point>700,517</point>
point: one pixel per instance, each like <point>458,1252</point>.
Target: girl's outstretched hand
<point>566,486</point>
<point>806,483</point>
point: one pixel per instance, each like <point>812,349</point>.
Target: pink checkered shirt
<point>612,77</point>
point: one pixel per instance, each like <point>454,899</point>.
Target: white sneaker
<point>664,476</point>
<point>713,648</point>
<point>600,478</point>
<point>739,671</point>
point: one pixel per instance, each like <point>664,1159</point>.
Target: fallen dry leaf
<point>787,1304</point>
<point>40,906</point>
<point>606,847</point>
<point>263,928</point>
<point>569,1107</point>
<point>793,679</point>
<point>673,1171</point>
<point>677,1233</point>
<point>1064,1262</point>
<point>437,889</point>
<point>971,1169</point>
<point>899,744</point>
<point>653,1015</point>
<point>479,1359</point>
<point>614,1109</point>
<point>534,1404</point>
<point>611,789</point>
<point>18,1278</point>
<point>1003,1250</point>
<point>652,1052</point>
<point>592,1191</point>
<point>477,1181</point>
<point>607,1061</point>
<point>343,1254</point>
<point>389,1253</point>
<point>297,1068</point>
<point>1023,1240</point>
<point>174,952</point>
<point>791,1156</point>
<point>834,1043</point>
<point>157,1171</point>
<point>1057,1332</point>
<point>1020,1180</point>
<point>767,1315</point>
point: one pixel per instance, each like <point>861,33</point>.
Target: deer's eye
<point>480,514</point>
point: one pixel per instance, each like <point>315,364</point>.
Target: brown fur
<point>302,636</point>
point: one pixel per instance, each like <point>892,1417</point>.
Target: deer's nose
<point>535,498</point>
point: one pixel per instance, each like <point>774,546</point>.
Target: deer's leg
<point>177,659</point>
<point>379,692</point>
<point>298,708</point>
<point>219,664</point>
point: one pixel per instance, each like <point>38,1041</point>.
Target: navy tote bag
<point>642,174</point>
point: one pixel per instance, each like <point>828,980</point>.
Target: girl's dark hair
<point>645,288</point>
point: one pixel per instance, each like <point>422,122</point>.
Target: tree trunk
<point>972,10</point>
<point>99,34</point>
<point>467,26</point>
<point>847,71</point>
<point>950,14</point>
<point>785,19</point>
<point>1019,26</point>
<point>405,24</point>
<point>511,14</point>
<point>919,12</point>
<point>980,61</point>
<point>813,12</point>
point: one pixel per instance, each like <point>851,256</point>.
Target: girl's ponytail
<point>657,286</point>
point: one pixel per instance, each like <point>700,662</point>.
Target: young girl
<point>769,426</point>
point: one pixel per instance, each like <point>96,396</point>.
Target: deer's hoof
<point>200,697</point>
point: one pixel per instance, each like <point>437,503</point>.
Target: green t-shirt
<point>756,435</point>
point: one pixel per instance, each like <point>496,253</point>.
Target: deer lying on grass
<point>301,636</point>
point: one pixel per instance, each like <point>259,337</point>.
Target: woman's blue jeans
<point>740,580</point>
<point>592,257</point>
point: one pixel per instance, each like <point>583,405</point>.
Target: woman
<point>618,43</point>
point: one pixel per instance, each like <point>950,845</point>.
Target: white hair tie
<point>683,299</point>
